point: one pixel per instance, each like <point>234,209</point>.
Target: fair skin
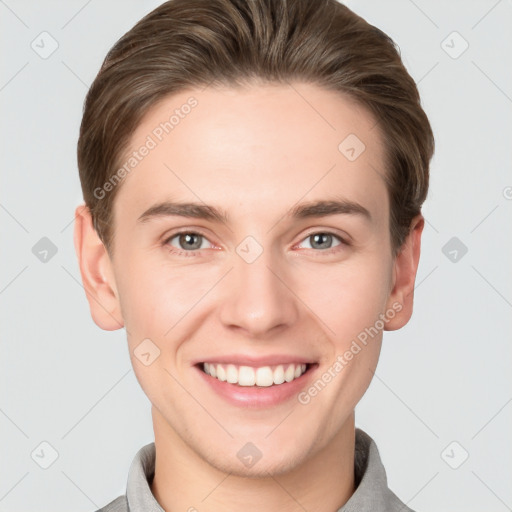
<point>255,153</point>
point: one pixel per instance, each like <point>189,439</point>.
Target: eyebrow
<point>311,209</point>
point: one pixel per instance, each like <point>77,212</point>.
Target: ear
<point>404,276</point>
<point>96,271</point>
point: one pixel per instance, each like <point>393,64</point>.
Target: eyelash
<point>178,252</point>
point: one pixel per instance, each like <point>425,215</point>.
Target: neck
<point>184,481</point>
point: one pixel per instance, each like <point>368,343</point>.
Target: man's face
<point>264,288</point>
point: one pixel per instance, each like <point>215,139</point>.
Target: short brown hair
<point>192,43</point>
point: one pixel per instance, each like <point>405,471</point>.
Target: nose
<point>259,298</point>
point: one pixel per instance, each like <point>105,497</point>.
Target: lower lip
<point>254,396</point>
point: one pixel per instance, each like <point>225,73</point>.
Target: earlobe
<point>96,271</point>
<point>405,268</point>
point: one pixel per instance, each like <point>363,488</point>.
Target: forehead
<point>261,145</point>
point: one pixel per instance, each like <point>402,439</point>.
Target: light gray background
<point>444,377</point>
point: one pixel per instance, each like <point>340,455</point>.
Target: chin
<point>273,464</point>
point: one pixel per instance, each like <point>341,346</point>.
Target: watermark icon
<point>351,147</point>
<point>146,352</point>
<point>249,249</point>
<point>455,455</point>
<point>249,454</point>
<point>342,360</point>
<point>44,454</point>
<point>507,193</point>
<point>454,45</point>
<point>44,250</point>
<point>44,45</point>
<point>152,140</point>
<point>454,249</point>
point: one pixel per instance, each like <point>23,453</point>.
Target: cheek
<point>152,294</point>
<point>347,297</point>
<point>159,301</point>
<point>156,301</point>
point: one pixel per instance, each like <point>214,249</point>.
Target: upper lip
<point>256,361</point>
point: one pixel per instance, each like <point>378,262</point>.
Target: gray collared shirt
<point>372,493</point>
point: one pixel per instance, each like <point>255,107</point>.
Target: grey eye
<point>322,241</point>
<point>188,241</point>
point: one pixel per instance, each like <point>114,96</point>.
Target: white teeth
<point>221,372</point>
<point>231,374</point>
<point>246,376</point>
<point>279,375</point>
<point>289,374</point>
<point>263,376</point>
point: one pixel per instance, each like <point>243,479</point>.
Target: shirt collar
<point>371,494</point>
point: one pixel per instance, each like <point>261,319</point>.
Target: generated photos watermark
<point>156,136</point>
<point>342,360</point>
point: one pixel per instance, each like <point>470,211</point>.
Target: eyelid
<point>188,230</point>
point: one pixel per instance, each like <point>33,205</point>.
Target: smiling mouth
<point>249,376</point>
